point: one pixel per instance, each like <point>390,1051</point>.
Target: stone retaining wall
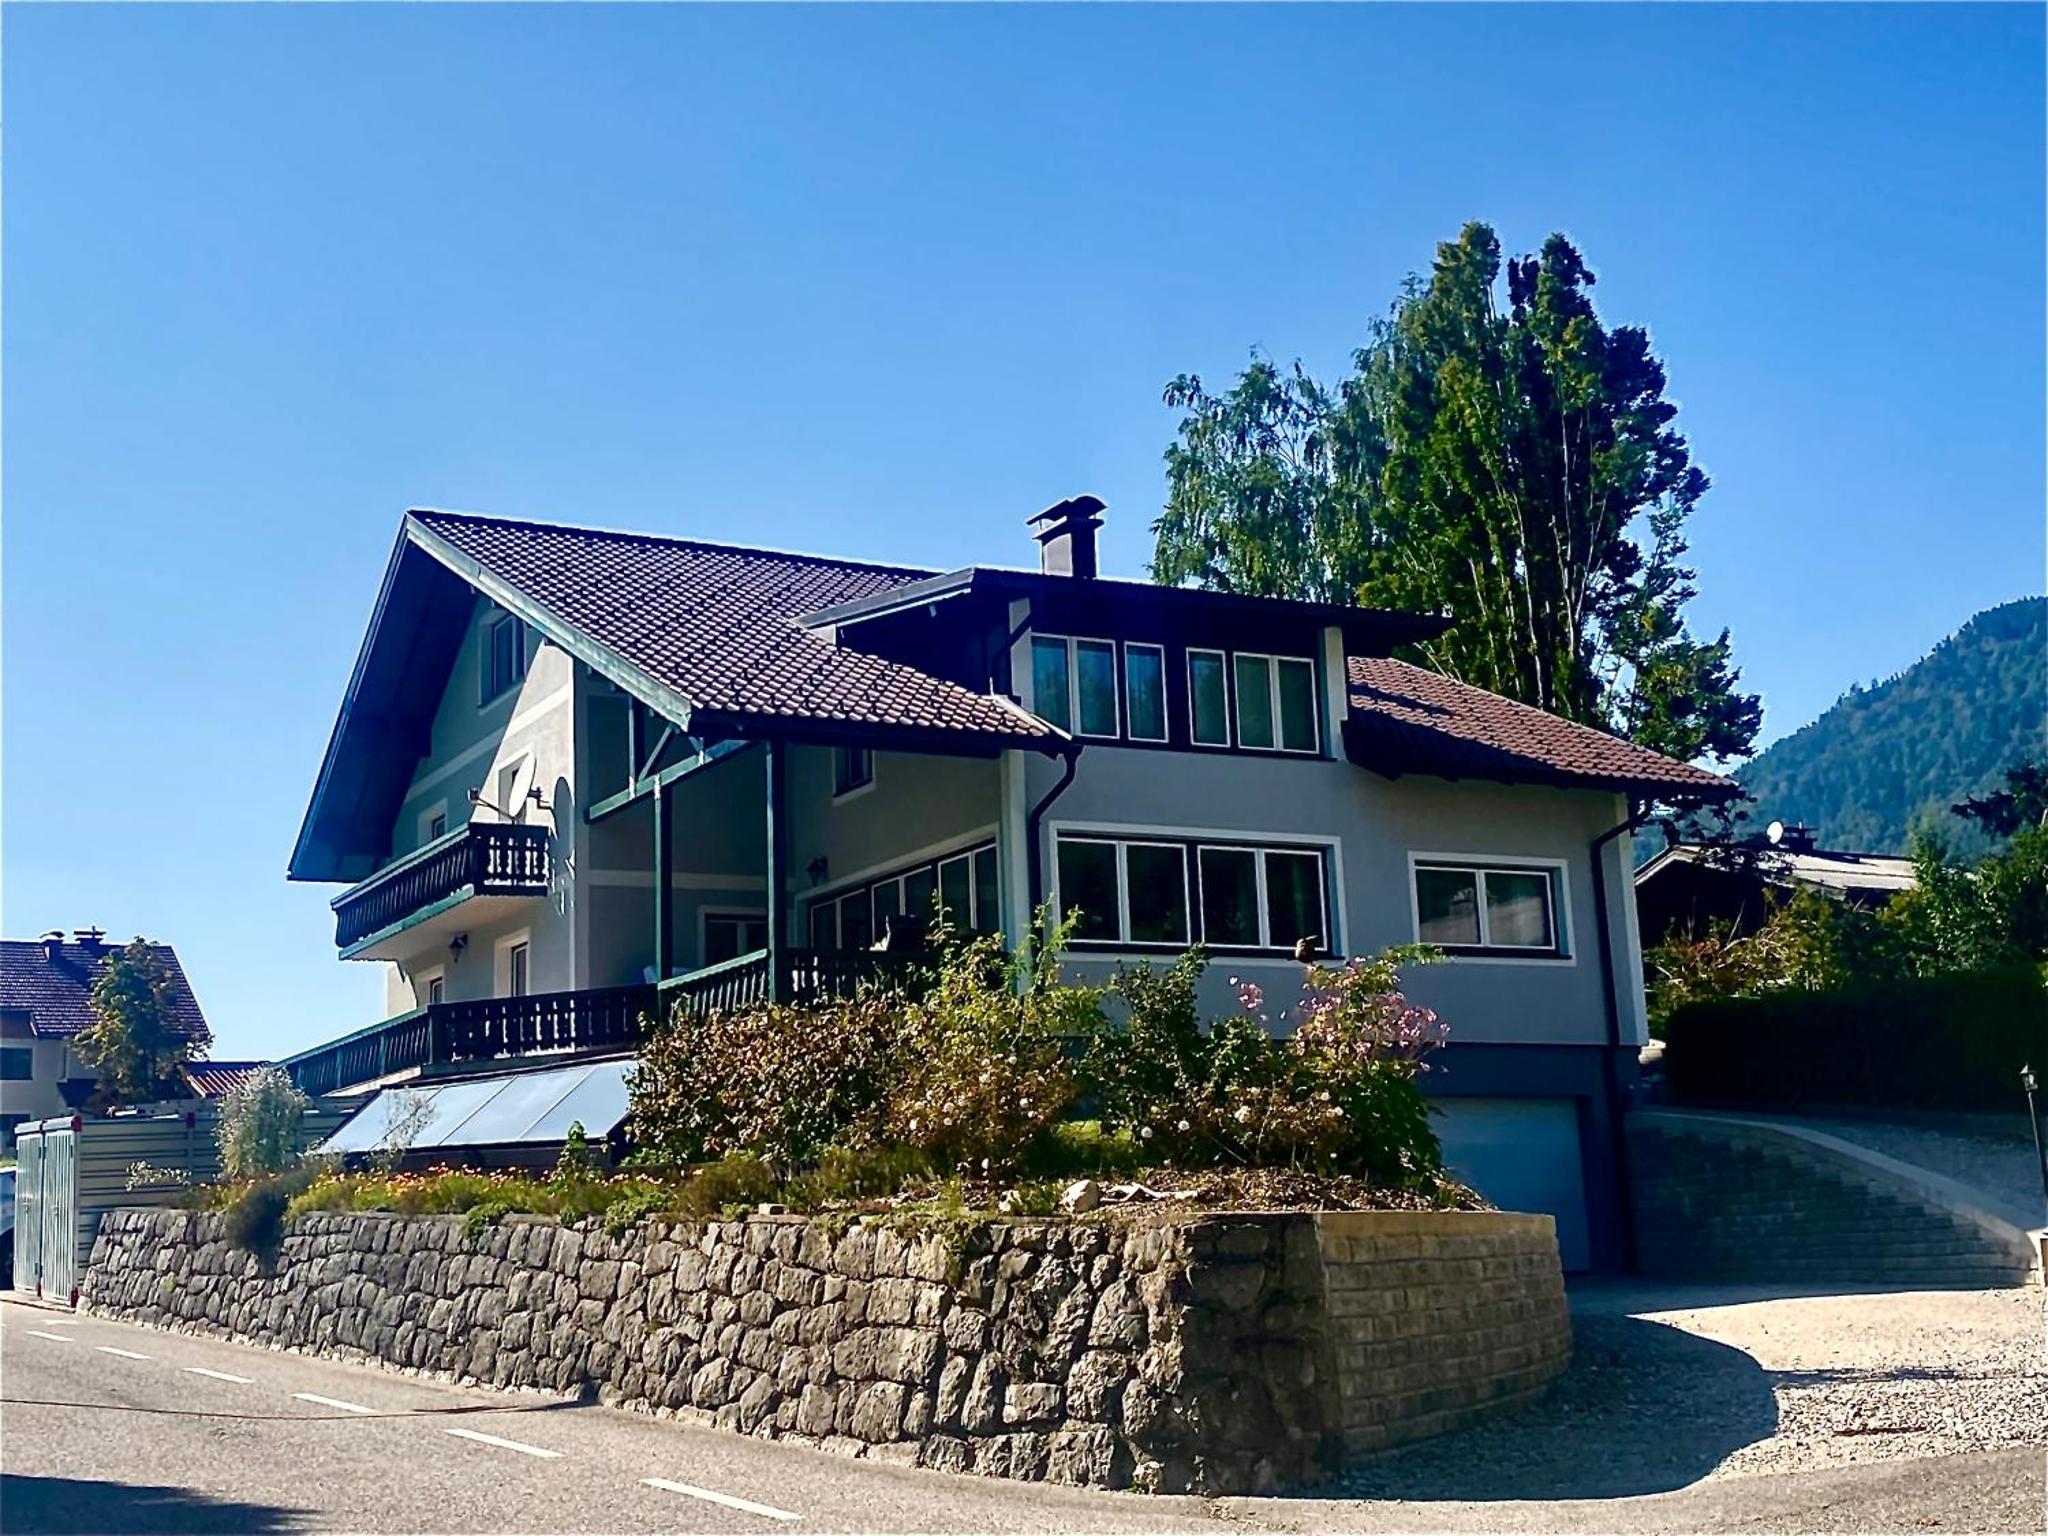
<point>1212,1355</point>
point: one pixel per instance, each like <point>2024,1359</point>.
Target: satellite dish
<point>1775,833</point>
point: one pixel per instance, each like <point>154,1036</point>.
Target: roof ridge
<point>639,536</point>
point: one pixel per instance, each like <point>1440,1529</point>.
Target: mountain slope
<point>1886,759</point>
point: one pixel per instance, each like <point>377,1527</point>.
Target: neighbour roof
<point>1406,719</point>
<point>1829,869</point>
<point>53,983</point>
<point>717,626</point>
<point>216,1079</point>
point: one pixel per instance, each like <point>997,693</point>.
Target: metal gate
<point>28,1211</point>
<point>59,1197</point>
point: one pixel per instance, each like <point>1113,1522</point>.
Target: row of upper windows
<point>1250,700</point>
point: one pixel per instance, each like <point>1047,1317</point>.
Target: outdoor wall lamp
<point>818,869</point>
<point>456,946</point>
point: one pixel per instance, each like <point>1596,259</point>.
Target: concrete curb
<point>1873,1169</point>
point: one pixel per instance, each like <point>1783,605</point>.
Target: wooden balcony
<point>485,1029</point>
<point>808,976</point>
<point>480,859</point>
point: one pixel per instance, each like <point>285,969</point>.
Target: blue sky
<point>884,282</point>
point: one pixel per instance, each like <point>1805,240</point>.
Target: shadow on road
<point>66,1506</point>
<point>1644,1408</point>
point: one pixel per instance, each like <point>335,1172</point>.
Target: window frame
<point>505,950</point>
<point>844,785</point>
<point>1124,682</point>
<point>1562,950</point>
<point>708,915</point>
<point>24,1053</point>
<point>1273,661</point>
<point>487,656</point>
<point>1195,738</point>
<point>1191,844</point>
<point>1070,647</point>
<point>898,876</point>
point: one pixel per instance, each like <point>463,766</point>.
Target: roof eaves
<point>600,658</point>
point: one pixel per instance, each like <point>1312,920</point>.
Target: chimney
<point>1798,838</point>
<point>53,944</point>
<point>1066,537</point>
<point>91,940</point>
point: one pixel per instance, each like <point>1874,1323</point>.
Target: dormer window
<point>504,657</point>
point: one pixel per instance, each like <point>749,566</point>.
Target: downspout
<point>1034,855</point>
<point>1639,813</point>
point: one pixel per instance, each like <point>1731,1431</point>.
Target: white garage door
<point>1523,1155</point>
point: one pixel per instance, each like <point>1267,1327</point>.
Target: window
<point>1276,703</point>
<point>1478,909</point>
<point>901,905</point>
<point>518,958</point>
<point>852,768</point>
<point>1208,707</point>
<point>17,1063</point>
<point>437,989</point>
<point>728,935</point>
<point>504,658</point>
<point>1145,692</point>
<point>1050,695</point>
<point>437,826</point>
<point>1133,892</point>
<point>1073,684</point>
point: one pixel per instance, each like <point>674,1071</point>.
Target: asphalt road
<point>106,1427</point>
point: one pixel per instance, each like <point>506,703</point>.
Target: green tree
<point>260,1121</point>
<point>2022,803</point>
<point>1515,469</point>
<point>132,1043</point>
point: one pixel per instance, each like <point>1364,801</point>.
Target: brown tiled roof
<point>213,1079</point>
<point>1405,719</point>
<point>716,624</point>
<point>56,990</point>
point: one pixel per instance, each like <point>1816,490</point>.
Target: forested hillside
<point>1885,759</point>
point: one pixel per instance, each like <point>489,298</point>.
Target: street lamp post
<point>2029,1082</point>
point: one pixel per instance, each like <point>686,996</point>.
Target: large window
<point>504,656</point>
<point>1507,910</point>
<point>901,906</point>
<point>1073,684</point>
<point>17,1063</point>
<point>1139,891</point>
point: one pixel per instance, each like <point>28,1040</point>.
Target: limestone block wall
<point>1219,1354</point>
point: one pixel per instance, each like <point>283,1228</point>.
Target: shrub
<point>778,1081</point>
<point>1942,1042</point>
<point>979,1067</point>
<point>253,1213</point>
<point>260,1122</point>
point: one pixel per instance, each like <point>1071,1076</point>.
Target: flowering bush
<point>260,1120</point>
<point>1339,1094</point>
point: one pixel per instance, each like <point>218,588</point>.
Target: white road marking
<point>200,1370</point>
<point>125,1354</point>
<point>331,1402</point>
<point>714,1497</point>
<point>509,1445</point>
<point>56,1337</point>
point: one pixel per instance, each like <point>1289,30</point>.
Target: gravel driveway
<point>1673,1385</point>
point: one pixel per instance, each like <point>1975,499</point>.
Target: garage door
<point>1523,1155</point>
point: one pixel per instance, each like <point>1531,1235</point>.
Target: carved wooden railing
<point>483,1029</point>
<point>484,858</point>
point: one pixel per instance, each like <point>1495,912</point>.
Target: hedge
<point>1948,1042</point>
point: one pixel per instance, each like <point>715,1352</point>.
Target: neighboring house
<point>578,773</point>
<point>1690,887</point>
<point>45,1001</point>
<point>215,1079</point>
